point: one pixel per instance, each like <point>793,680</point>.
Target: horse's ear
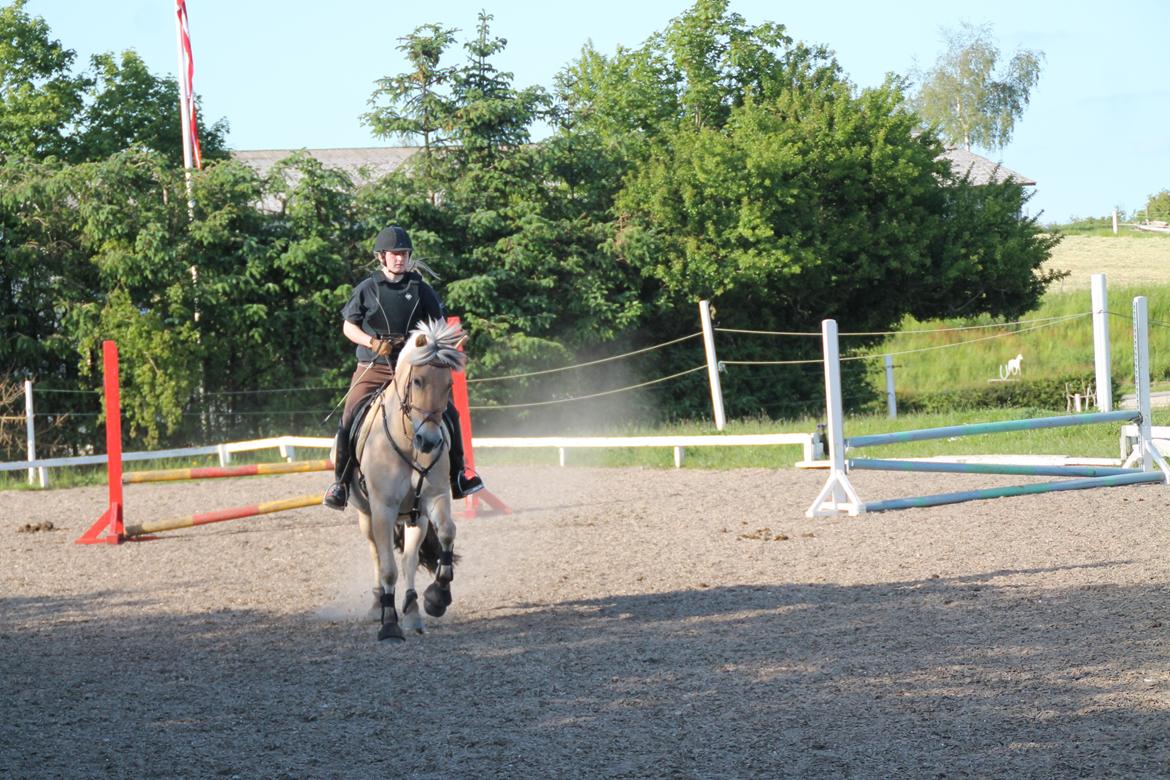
<point>420,340</point>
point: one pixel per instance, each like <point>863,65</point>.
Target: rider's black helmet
<point>393,239</point>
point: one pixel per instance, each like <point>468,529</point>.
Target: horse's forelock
<point>440,345</point>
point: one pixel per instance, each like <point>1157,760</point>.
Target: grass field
<point>1126,261</point>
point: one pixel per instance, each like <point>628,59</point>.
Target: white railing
<point>287,445</point>
<point>678,443</point>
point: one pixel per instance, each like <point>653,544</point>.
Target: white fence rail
<point>287,445</point>
<point>678,443</point>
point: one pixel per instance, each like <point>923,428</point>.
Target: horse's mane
<point>440,348</point>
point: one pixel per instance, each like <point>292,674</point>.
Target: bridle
<point>411,426</point>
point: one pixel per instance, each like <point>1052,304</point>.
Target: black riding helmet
<point>393,239</point>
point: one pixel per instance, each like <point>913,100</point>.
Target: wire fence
<point>767,373</point>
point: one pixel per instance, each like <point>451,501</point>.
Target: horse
<point>401,488</point>
<point>1013,365</point>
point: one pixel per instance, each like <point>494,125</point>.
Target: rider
<point>380,312</point>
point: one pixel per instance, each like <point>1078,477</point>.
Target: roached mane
<point>441,347</point>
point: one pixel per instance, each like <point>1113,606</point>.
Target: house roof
<point>365,164</point>
<point>361,163</point>
<point>981,169</point>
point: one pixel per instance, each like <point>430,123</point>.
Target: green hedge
<point>1051,393</point>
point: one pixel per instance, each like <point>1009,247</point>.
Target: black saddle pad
<point>359,415</point>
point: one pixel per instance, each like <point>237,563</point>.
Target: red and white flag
<point>186,86</point>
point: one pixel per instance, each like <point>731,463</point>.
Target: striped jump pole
<point>234,513</point>
<point>959,497</point>
<point>1019,469</point>
<point>1001,426</point>
<point>214,472</point>
<point>1145,464</point>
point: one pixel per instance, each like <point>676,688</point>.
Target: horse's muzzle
<point>427,438</point>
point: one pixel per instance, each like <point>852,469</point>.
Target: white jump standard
<point>838,495</point>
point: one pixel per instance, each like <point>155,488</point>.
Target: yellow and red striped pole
<point>234,513</point>
<point>212,472</point>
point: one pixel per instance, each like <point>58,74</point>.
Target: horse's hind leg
<point>380,536</point>
<point>438,595</point>
<point>412,536</point>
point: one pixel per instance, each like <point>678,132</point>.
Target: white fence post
<point>712,364</point>
<point>31,432</point>
<point>1101,357</point>
<point>891,399</point>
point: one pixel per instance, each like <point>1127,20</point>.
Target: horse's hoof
<point>436,600</point>
<point>391,631</point>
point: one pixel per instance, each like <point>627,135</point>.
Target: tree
<point>417,103</point>
<point>127,106</point>
<point>1158,206</point>
<point>48,111</point>
<point>40,98</point>
<point>963,96</point>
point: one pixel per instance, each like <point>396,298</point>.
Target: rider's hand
<point>381,347</point>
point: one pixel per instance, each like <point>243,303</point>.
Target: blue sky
<point>295,74</point>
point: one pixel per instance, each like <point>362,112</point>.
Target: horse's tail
<point>428,551</point>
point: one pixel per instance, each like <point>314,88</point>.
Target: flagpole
<point>184,102</point>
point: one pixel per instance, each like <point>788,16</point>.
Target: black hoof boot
<point>391,631</point>
<point>436,599</point>
<point>390,628</point>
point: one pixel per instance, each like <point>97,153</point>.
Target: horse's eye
<point>418,382</point>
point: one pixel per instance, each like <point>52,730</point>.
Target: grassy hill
<point>1057,339</point>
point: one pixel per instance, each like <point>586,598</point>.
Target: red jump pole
<point>215,472</point>
<point>110,523</point>
<point>219,516</point>
<point>463,406</point>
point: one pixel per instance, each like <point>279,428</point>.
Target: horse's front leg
<point>379,531</point>
<point>438,595</point>
<point>412,537</point>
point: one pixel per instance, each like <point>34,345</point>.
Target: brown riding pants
<point>362,384</point>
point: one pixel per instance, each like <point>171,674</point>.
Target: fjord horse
<point>401,488</point>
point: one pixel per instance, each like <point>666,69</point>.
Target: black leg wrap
<point>390,628</point>
<point>447,557</point>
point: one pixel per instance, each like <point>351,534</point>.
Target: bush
<point>1050,393</point>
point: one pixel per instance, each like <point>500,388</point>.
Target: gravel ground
<point>621,623</point>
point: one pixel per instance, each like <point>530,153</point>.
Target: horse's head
<point>423,379</point>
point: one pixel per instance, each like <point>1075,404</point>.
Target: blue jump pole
<point>1115,480</point>
<point>1021,469</point>
<point>974,429</point>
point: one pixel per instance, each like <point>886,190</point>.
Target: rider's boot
<point>337,496</point>
<point>461,484</point>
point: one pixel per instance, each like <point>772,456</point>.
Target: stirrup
<point>463,486</point>
<point>335,497</point>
